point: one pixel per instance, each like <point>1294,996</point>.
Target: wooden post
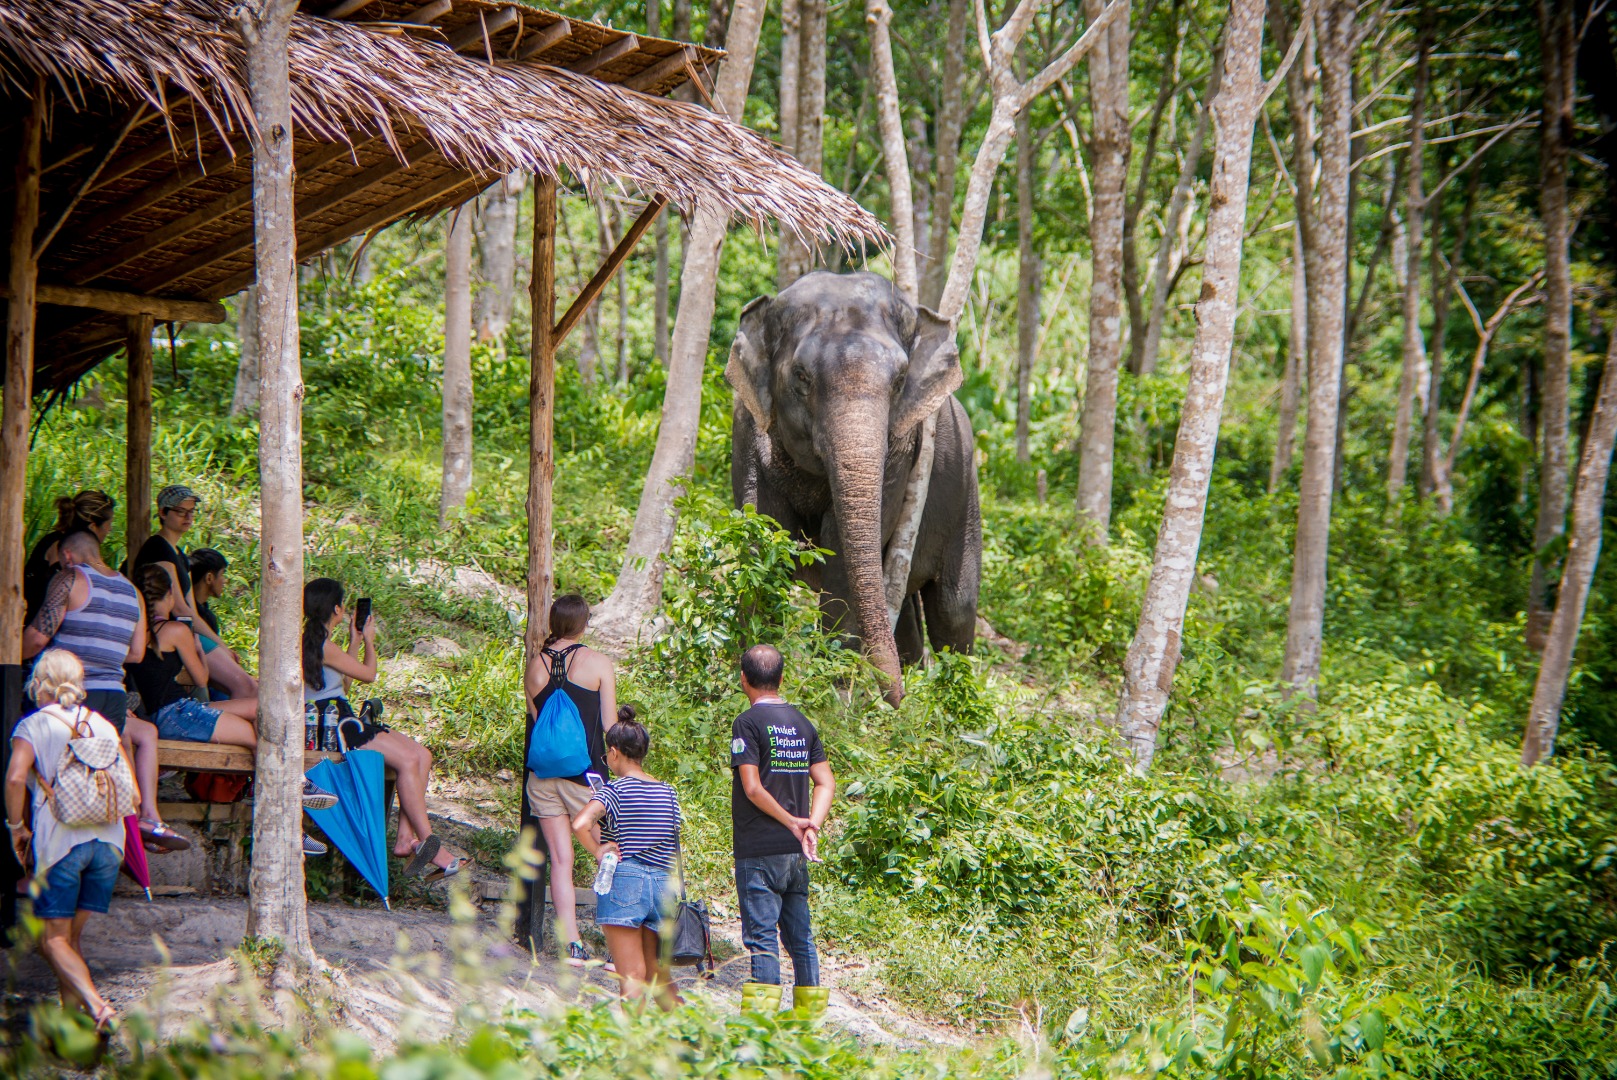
<point>541,472</point>
<point>20,316</point>
<point>138,452</point>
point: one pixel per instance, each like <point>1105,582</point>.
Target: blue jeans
<point>81,880</point>
<point>187,720</point>
<point>641,897</point>
<point>773,890</point>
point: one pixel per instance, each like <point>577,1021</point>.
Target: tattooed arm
<point>58,599</point>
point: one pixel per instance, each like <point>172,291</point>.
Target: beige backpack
<point>94,784</point>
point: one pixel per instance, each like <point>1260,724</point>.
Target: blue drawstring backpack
<point>557,746</point>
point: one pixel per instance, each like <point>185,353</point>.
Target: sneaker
<point>577,955</point>
<point>316,797</point>
<point>311,846</point>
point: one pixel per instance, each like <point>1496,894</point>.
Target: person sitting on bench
<point>208,584</point>
<point>328,670</point>
<point>88,511</point>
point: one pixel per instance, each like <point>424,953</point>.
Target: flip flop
<point>440,873</point>
<point>155,832</point>
<point>425,852</point>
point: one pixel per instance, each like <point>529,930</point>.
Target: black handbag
<point>693,930</point>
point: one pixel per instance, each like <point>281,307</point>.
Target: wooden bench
<point>219,758</point>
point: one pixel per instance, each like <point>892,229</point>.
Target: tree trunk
<point>1109,103</point>
<point>1443,277</point>
<point>497,256</point>
<point>457,386</point>
<point>244,401</point>
<point>1296,359</point>
<point>891,122</point>
<point>787,255</point>
<point>138,433</point>
<point>808,142</point>
<point>1560,50</point>
<point>1414,347</point>
<point>1582,555</point>
<point>1325,257</point>
<point>1161,270</point>
<point>275,907</point>
<point>639,586</point>
<point>659,273</point>
<point>541,418</point>
<point>1148,670</point>
<point>1029,275</point>
<point>951,121</point>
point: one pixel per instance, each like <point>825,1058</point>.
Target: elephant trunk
<point>857,441</point>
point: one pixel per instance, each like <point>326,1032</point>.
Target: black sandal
<point>425,851</point>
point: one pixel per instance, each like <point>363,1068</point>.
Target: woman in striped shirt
<point>640,823</point>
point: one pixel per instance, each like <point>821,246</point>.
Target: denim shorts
<point>81,880</point>
<point>187,720</point>
<point>641,896</point>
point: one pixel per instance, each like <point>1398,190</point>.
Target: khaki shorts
<point>556,797</point>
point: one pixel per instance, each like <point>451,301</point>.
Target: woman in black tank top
<point>565,665</point>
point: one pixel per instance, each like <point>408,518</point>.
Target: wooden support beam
<point>661,70</point>
<point>307,207</point>
<point>424,14</point>
<point>160,308</point>
<point>541,415</point>
<point>605,55</point>
<point>344,8</point>
<point>138,445</point>
<point>545,39</point>
<point>603,277</point>
<point>382,215</point>
<point>471,37</point>
<point>21,316</point>
<point>236,200</point>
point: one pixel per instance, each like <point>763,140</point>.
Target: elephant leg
<point>951,617</point>
<point>911,649</point>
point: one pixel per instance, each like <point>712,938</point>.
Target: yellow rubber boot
<point>808,1002</point>
<point>760,997</point>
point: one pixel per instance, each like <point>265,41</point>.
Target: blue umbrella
<point>357,824</point>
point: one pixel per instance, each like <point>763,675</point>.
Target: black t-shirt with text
<point>781,742</point>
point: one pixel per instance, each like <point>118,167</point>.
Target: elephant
<point>833,379</point>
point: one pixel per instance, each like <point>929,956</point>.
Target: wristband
<point>16,824</point>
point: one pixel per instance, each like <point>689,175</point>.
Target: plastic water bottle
<point>311,728</point>
<point>603,876</point>
<point>328,727</point>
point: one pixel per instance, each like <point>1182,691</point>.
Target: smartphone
<point>362,612</point>
<point>594,780</point>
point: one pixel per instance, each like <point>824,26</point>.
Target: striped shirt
<point>642,818</point>
<point>100,632</point>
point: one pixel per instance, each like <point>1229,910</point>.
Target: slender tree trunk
<point>1443,278</point>
<point>1560,50</point>
<point>1582,555</point>
<point>788,255</point>
<point>1296,360</point>
<point>1414,348</point>
<point>1109,103</point>
<point>891,122</point>
<point>796,256</point>
<point>1029,275</point>
<point>606,235</point>
<point>1325,255</point>
<point>1178,205</point>
<point>497,256</point>
<point>244,401</point>
<point>275,907</point>
<point>457,386</point>
<point>1148,670</point>
<point>951,121</point>
<point>639,586</point>
<point>659,273</point>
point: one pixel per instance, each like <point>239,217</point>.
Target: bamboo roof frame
<point>403,108</point>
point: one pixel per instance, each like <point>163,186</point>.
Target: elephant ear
<point>934,372</point>
<point>748,369</point>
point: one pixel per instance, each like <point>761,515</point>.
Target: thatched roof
<point>412,110</point>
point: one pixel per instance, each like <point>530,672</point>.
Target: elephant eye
<point>800,382</point>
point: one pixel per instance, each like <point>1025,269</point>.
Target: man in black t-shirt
<point>775,757</point>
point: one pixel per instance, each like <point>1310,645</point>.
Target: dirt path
<point>409,969</point>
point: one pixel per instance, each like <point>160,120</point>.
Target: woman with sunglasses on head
<point>328,671</point>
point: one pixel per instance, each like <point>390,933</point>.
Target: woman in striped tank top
<point>98,616</point>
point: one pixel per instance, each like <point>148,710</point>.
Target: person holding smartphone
<point>328,671</point>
